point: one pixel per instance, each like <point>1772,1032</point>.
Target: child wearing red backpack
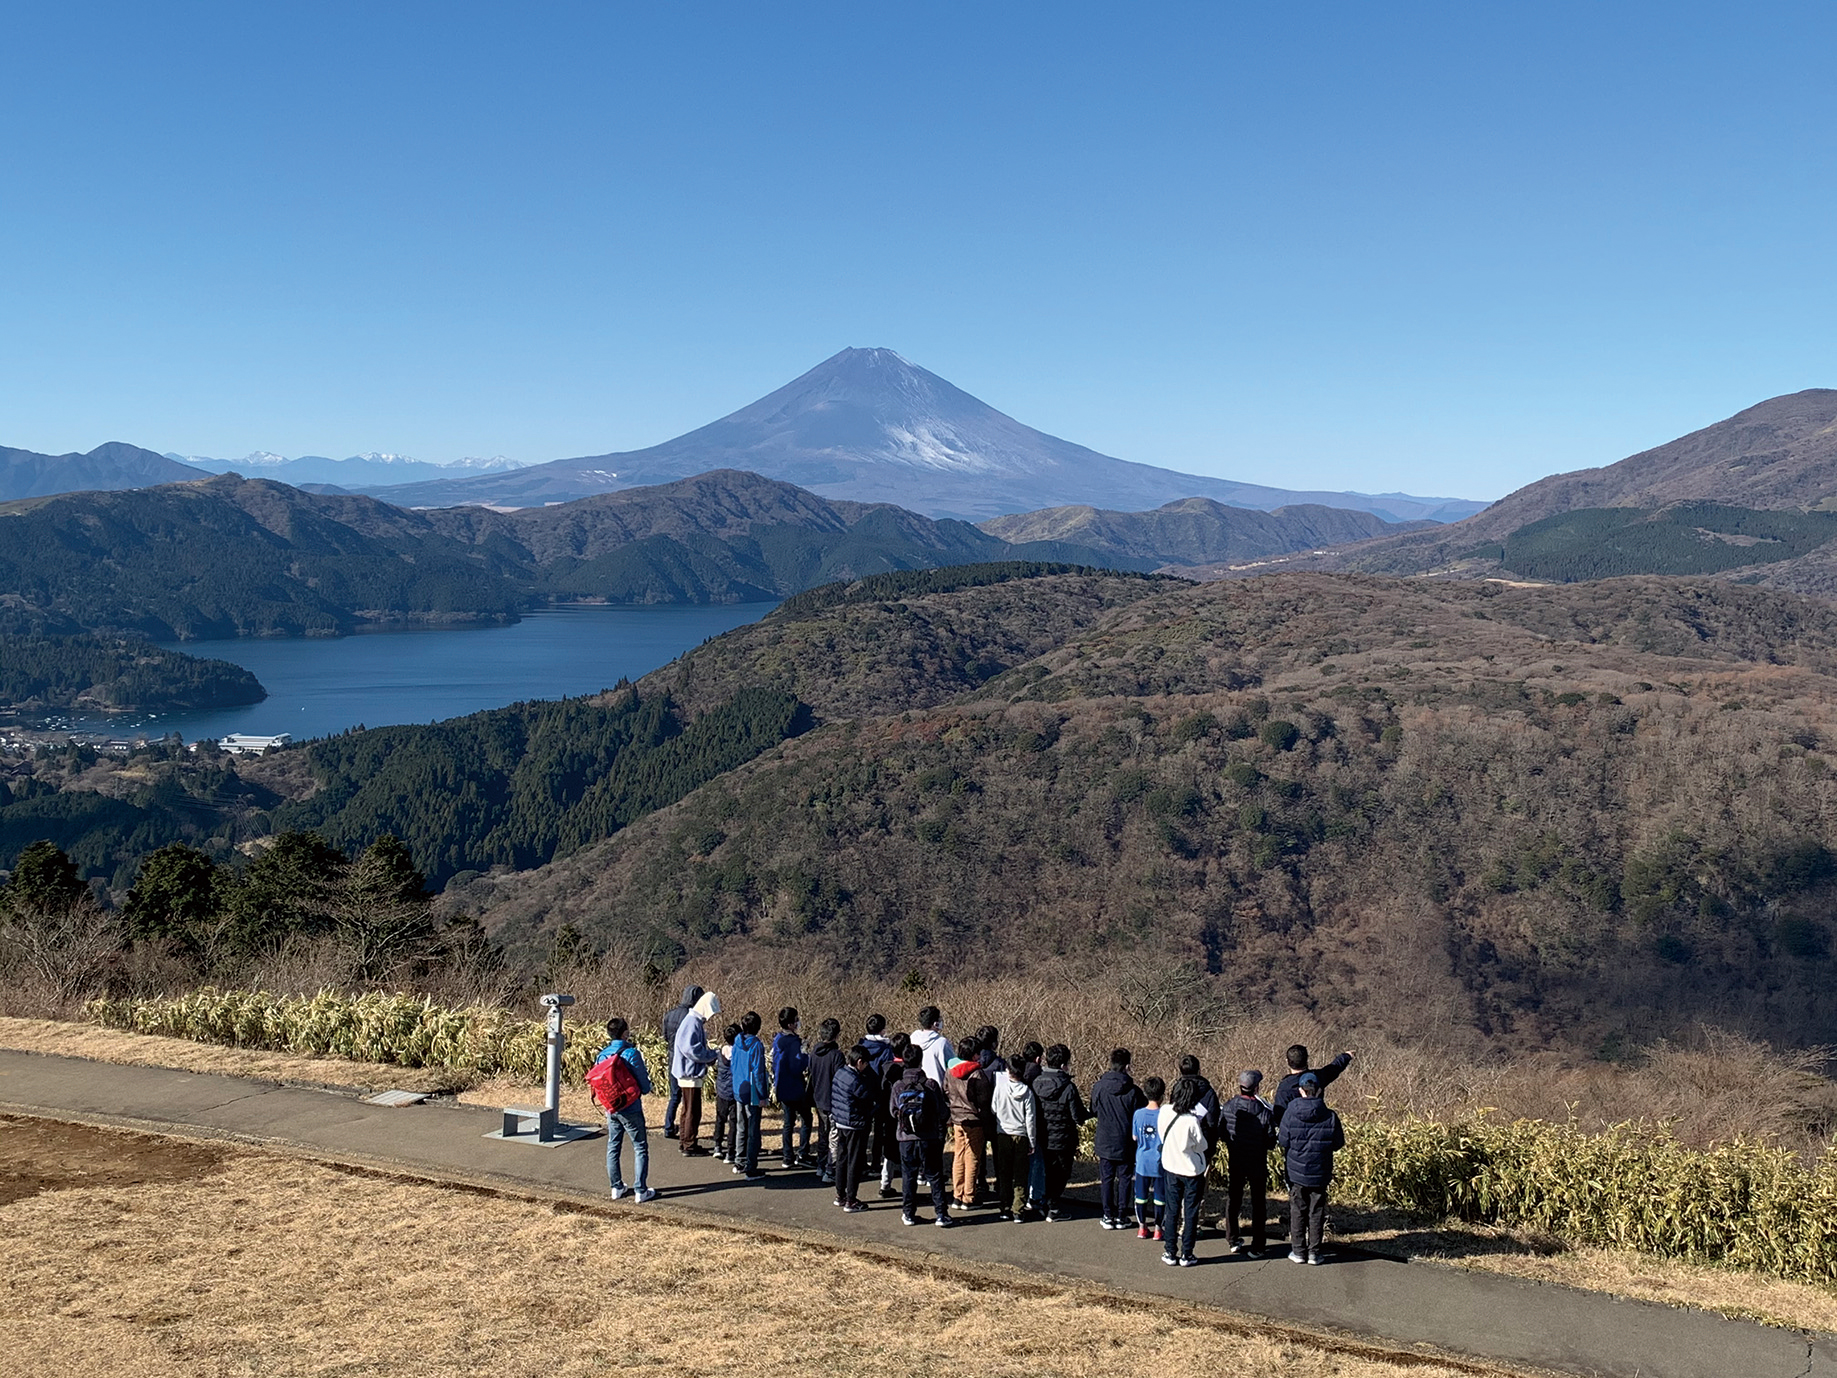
<point>619,1081</point>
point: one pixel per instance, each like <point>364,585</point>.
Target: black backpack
<point>912,1108</point>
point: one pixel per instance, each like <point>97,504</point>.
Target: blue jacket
<point>852,1099</point>
<point>1309,1136</point>
<point>628,1051</point>
<point>749,1070</point>
<point>788,1068</point>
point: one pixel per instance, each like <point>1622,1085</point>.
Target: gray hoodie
<point>938,1054</point>
<point>1016,1112</point>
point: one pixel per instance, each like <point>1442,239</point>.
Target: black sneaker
<point>888,1193</point>
<point>853,1208</point>
<point>1004,1215</point>
<point>908,1220</point>
<point>943,1222</point>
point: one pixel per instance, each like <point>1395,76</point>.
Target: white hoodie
<point>937,1051</point>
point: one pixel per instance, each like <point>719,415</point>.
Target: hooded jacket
<point>1249,1128</point>
<point>969,1092</point>
<point>1016,1111</point>
<point>880,1055</point>
<point>825,1062</point>
<point>690,1055</point>
<point>1114,1100</point>
<point>932,1121</point>
<point>673,1018</point>
<point>852,1097</point>
<point>789,1067</point>
<point>1309,1137</point>
<point>1289,1088</point>
<point>1061,1110</point>
<point>937,1051</point>
<point>749,1070</point>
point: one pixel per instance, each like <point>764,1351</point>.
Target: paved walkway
<point>1399,1304</point>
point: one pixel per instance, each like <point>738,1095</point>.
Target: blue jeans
<point>1036,1180</point>
<point>1182,1218</point>
<point>746,1146</point>
<point>630,1121</point>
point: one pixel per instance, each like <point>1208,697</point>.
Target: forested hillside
<point>1750,498</point>
<point>234,557</point>
<point>1596,811</point>
<point>225,557</point>
<point>519,786</point>
<point>899,641</point>
<point>43,672</point>
<point>1196,531</point>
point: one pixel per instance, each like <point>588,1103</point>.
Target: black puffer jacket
<point>1249,1128</point>
<point>1309,1137</point>
<point>1114,1100</point>
<point>1061,1109</point>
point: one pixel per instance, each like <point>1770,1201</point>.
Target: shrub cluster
<point>405,1030</point>
<point>1744,1203</point>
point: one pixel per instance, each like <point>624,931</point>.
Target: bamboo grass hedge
<point>405,1030</point>
<point>1747,1204</point>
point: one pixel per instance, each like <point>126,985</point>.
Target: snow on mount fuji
<point>869,426</point>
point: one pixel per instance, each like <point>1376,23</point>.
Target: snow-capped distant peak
<point>496,464</point>
<point>379,457</point>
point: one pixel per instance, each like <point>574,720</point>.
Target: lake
<point>321,685</point>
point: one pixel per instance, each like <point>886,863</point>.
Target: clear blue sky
<point>1443,248</point>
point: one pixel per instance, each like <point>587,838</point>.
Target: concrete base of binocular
<point>542,1126</point>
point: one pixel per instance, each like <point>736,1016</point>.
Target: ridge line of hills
<point>230,556</point>
<point>1752,499</point>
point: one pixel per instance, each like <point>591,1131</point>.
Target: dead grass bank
<point>252,1263</point>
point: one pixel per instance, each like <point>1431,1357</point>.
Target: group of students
<point>886,1105</point>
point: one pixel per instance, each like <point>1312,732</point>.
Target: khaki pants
<point>1012,1163</point>
<point>966,1164</point>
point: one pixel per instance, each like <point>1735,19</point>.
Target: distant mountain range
<point>868,426</point>
<point>1194,531</point>
<point>358,471</point>
<point>107,468</point>
<point>229,556</point>
<point>1752,498</point>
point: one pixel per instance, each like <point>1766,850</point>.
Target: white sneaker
<point>1294,1257</point>
<point>619,1193</point>
<point>648,1194</point>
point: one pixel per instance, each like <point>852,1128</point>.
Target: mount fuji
<point>869,426</point>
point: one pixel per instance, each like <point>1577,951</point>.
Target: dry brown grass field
<point>158,1256</point>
